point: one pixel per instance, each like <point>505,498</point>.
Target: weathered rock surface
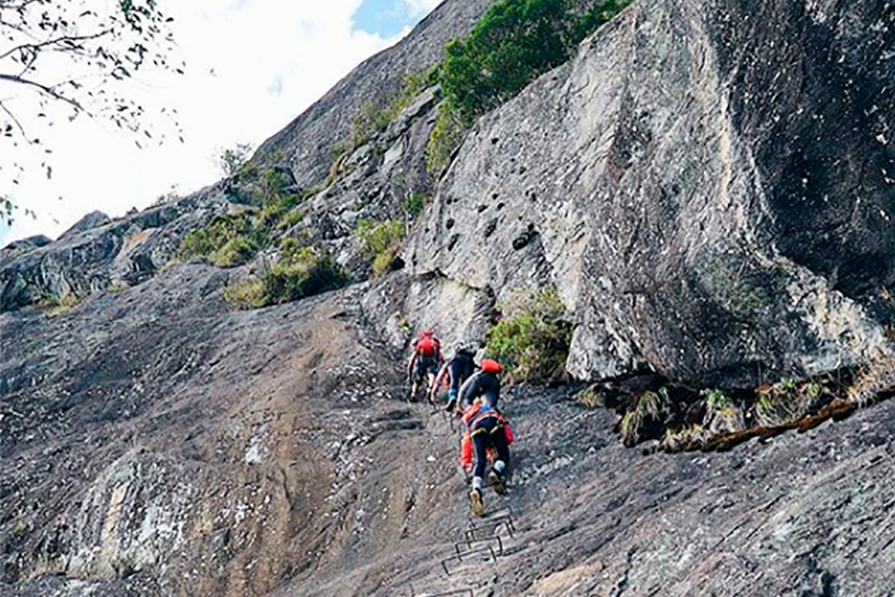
<point>95,253</point>
<point>712,197</point>
<point>94,219</point>
<point>276,460</point>
<point>374,183</point>
<point>157,430</point>
<point>669,182</point>
<point>25,244</point>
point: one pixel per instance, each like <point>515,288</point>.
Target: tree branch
<point>16,121</point>
<point>19,7</point>
<point>43,88</point>
<point>76,39</point>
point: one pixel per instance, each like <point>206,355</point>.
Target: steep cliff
<point>712,197</point>
<point>708,185</point>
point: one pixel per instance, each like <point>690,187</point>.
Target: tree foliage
<point>513,43</point>
<point>233,159</point>
<point>63,59</point>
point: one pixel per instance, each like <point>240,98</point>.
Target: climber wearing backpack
<point>458,369</point>
<point>486,428</point>
<point>424,362</point>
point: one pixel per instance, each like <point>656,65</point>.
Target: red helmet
<point>427,333</point>
<point>491,366</point>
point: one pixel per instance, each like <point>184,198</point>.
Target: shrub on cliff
<point>644,420</point>
<point>224,242</point>
<point>787,401</point>
<point>532,340</point>
<point>302,274</point>
<point>295,275</point>
<point>444,138</point>
<point>56,305</point>
<point>234,239</point>
<point>382,242</point>
<point>415,204</point>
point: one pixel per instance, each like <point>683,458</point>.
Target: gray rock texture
<point>94,219</point>
<point>711,195</point>
<point>197,451</point>
<point>26,244</point>
<point>708,187</point>
<point>94,254</point>
<point>374,183</point>
<point>146,440</point>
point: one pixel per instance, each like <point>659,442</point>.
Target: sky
<point>252,66</point>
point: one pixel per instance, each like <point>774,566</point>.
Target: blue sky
<point>387,18</point>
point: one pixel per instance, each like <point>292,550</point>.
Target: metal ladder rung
<point>467,591</point>
<point>493,525</point>
<point>459,558</point>
<point>470,542</point>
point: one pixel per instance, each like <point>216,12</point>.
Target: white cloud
<point>422,7</point>
<point>252,66</point>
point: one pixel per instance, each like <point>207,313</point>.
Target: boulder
<point>94,219</point>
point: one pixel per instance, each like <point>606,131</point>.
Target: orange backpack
<point>466,448</point>
<point>491,366</point>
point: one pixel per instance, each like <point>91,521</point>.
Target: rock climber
<point>486,428</point>
<point>424,361</point>
<point>457,370</point>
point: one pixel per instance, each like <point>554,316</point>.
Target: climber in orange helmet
<point>486,428</point>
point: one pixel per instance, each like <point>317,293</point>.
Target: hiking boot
<point>496,480</point>
<point>475,502</point>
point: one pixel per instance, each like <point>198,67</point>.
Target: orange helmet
<point>491,366</point>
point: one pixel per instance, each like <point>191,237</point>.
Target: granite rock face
<point>94,219</point>
<point>708,187</point>
<point>97,252</point>
<point>22,245</point>
<point>374,183</point>
<point>710,195</point>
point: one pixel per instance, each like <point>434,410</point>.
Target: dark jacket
<point>461,368</point>
<point>481,385</point>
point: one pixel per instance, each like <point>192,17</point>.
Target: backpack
<point>427,347</point>
<point>466,450</point>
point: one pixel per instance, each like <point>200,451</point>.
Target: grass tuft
<point>643,419</point>
<point>54,306</point>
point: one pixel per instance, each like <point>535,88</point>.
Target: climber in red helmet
<point>424,362</point>
<point>486,428</point>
